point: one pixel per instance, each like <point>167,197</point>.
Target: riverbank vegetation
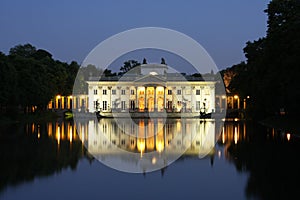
<point>270,74</point>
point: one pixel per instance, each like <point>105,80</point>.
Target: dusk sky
<point>69,30</point>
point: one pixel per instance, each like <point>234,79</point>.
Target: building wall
<point>184,95</point>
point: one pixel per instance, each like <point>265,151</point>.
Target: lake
<point>147,159</point>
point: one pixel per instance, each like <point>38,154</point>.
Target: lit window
<point>179,103</point>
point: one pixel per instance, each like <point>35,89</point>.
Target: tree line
<point>270,74</point>
<point>30,77</point>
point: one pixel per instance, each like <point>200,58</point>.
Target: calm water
<point>246,161</point>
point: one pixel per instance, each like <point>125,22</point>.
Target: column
<point>136,98</point>
<point>145,100</point>
<point>165,97</point>
<point>155,103</point>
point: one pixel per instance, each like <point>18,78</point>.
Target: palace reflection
<point>148,135</point>
<point>197,137</point>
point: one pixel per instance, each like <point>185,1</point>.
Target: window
<point>104,92</point>
<point>104,105</point>
<point>95,104</point>
<point>169,105</point>
<point>132,92</point>
<point>95,91</point>
<point>123,142</point>
<point>132,104</point>
<point>178,92</point>
<point>123,92</point>
<point>197,105</point>
<point>113,92</point>
<point>197,92</point>
<point>123,105</point>
<point>179,103</point>
<point>169,92</point>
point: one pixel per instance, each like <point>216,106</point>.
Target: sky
<point>69,30</point>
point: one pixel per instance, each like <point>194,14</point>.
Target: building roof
<point>137,76</point>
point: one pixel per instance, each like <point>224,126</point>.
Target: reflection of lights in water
<point>141,145</point>
<point>82,134</point>
<point>39,135</point>
<point>223,135</point>
<point>219,153</point>
<point>71,134</point>
<point>178,125</point>
<point>58,135</point>
<point>235,135</point>
<point>153,160</point>
<point>288,136</point>
<point>160,146</point>
<point>32,128</point>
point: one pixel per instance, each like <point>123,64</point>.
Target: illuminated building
<point>151,88</point>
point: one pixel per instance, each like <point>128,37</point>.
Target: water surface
<point>49,161</point>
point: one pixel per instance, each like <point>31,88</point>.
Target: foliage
<point>128,65</point>
<point>272,69</point>
<point>31,77</point>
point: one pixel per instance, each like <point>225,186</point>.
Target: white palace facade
<point>151,88</point>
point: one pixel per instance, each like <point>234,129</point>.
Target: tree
<point>144,61</point>
<point>128,65</point>
<point>25,51</point>
<point>271,72</point>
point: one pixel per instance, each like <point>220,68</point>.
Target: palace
<point>151,88</point>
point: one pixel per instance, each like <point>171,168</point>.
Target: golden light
<point>160,146</point>
<point>71,134</point>
<point>288,136</point>
<point>141,145</point>
<point>58,96</point>
<point>58,135</point>
<point>235,96</point>
<point>223,97</point>
<point>235,135</point>
<point>71,97</point>
<point>223,136</point>
<point>153,160</point>
<point>248,97</point>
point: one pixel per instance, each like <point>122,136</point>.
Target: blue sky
<point>69,30</point>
